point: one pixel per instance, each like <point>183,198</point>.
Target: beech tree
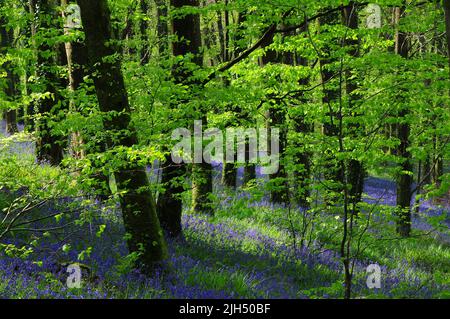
<point>136,200</point>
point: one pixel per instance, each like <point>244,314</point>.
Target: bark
<point>229,175</point>
<point>249,168</point>
<point>145,235</point>
<point>355,169</point>
<point>49,146</point>
<point>404,178</point>
<point>170,205</point>
<point>280,188</point>
<point>302,159</point>
<point>202,188</point>
<point>187,29</point>
<point>143,26</point>
<point>31,33</point>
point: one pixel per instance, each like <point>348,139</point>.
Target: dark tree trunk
<point>187,29</point>
<point>279,192</point>
<point>277,119</point>
<point>202,188</point>
<point>143,26</point>
<point>170,205</point>
<point>49,146</point>
<point>249,168</point>
<point>302,158</point>
<point>137,204</point>
<point>405,177</point>
<point>229,171</point>
<point>355,167</point>
<point>162,27</point>
<point>331,94</point>
<point>11,122</point>
<point>229,175</point>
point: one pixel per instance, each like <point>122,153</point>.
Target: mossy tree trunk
<point>141,222</point>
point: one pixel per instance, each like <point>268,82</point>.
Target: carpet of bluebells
<point>221,257</point>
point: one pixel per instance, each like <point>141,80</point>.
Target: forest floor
<point>247,250</point>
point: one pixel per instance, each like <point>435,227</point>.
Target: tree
<point>405,176</point>
<point>356,170</point>
<point>187,29</point>
<point>301,156</point>
<point>162,27</point>
<point>77,61</point>
<point>49,144</point>
<point>145,235</point>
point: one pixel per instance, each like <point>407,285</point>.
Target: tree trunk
<point>170,205</point>
<point>143,26</point>
<point>229,171</point>
<point>355,167</point>
<point>29,109</point>
<point>405,177</point>
<point>302,159</point>
<point>141,222</point>
<point>49,146</point>
<point>229,175</point>
<point>187,29</point>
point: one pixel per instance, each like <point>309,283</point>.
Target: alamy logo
<point>74,279</point>
<point>374,277</point>
<point>241,144</point>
